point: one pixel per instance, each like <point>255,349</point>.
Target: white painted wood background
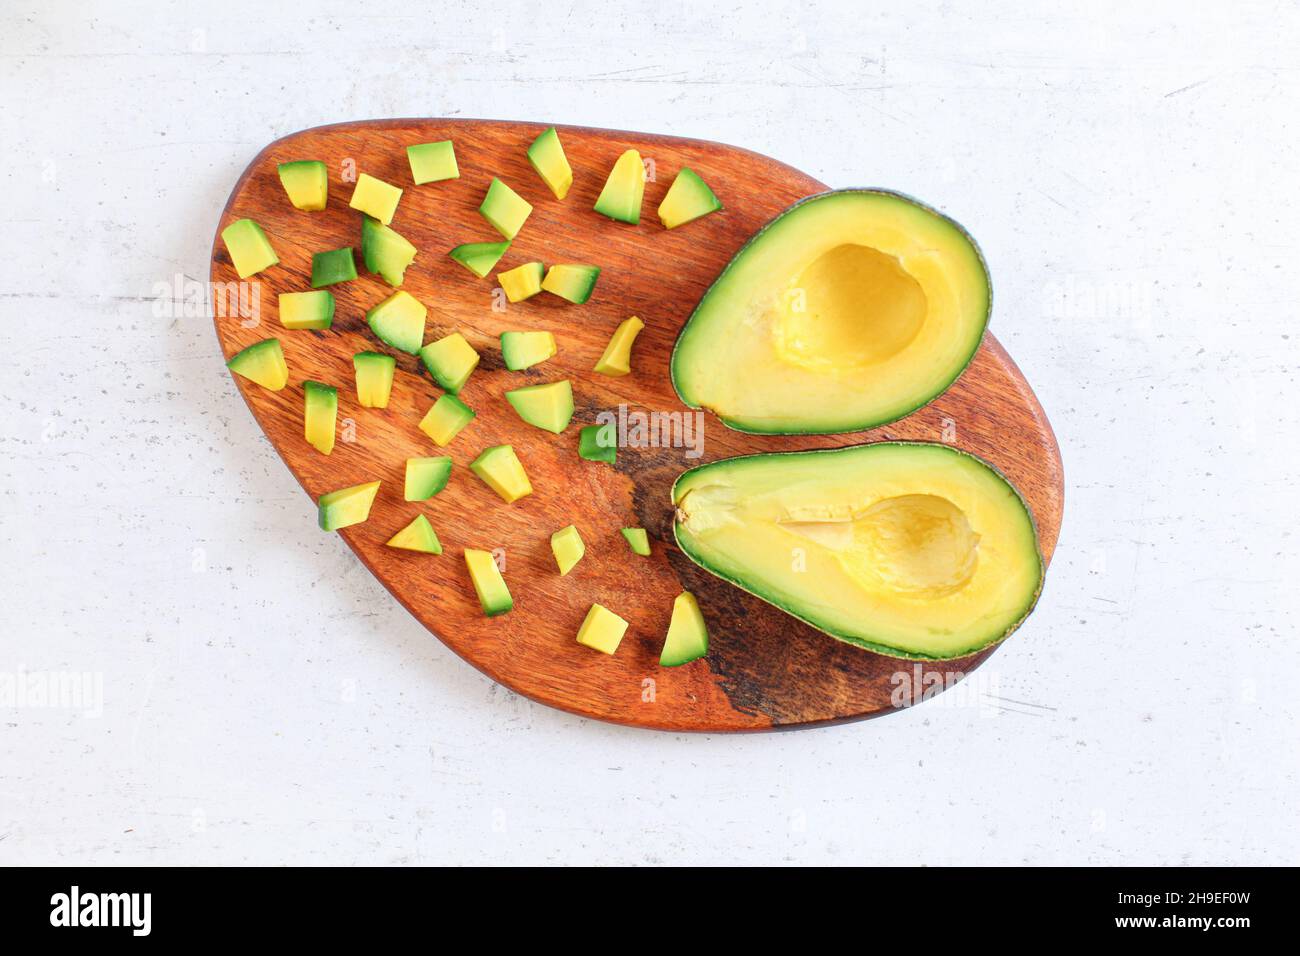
<point>1130,170</point>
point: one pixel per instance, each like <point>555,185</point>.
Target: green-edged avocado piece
<point>320,413</point>
<point>547,156</point>
<point>688,637</point>
<point>521,350</point>
<point>493,595</point>
<point>505,209</point>
<point>621,197</point>
<point>374,371</point>
<point>432,162</point>
<point>908,549</point>
<point>480,258</point>
<point>501,470</point>
<point>549,406</point>
<point>638,541</point>
<point>425,477</point>
<point>336,265</point>
<point>307,310</point>
<point>688,198</point>
<point>250,250</point>
<point>399,321</point>
<point>446,419</point>
<point>571,281</point>
<point>384,251</point>
<point>599,442</point>
<point>306,183</point>
<point>347,506</point>
<point>263,363</point>
<point>853,308</point>
<point>450,360</point>
<point>417,536</point>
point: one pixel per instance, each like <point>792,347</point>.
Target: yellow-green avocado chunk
<point>493,595</point>
<point>688,637</point>
<point>908,549</point>
<point>347,506</point>
<point>853,308</point>
<point>263,363</point>
<point>250,250</point>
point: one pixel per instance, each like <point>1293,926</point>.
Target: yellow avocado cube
<point>522,282</point>
<point>502,471</point>
<point>602,629</point>
<point>375,198</point>
<point>567,546</point>
<point>617,358</point>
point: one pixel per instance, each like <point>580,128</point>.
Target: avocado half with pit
<point>848,310</point>
<point>909,549</point>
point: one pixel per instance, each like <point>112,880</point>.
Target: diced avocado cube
<point>617,358</point>
<point>450,360</point>
<point>337,265</point>
<point>505,209</point>
<point>445,419</point>
<point>637,540</point>
<point>399,321</point>
<point>567,546</point>
<point>417,536</point>
<point>425,477</point>
<point>502,471</point>
<point>432,162</point>
<point>262,363</point>
<point>347,506</point>
<point>374,378</point>
<point>689,197</point>
<point>522,282</point>
<point>688,637</point>
<point>307,184</point>
<point>621,197</point>
<point>547,156</point>
<point>598,442</point>
<point>521,350</point>
<point>489,585</point>
<point>320,411</point>
<point>571,281</point>
<point>307,310</point>
<point>375,198</point>
<point>250,250</point>
<point>385,251</point>
<point>602,629</point>
<point>549,406</point>
<point>480,258</point>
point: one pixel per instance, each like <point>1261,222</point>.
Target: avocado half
<point>850,309</point>
<point>909,549</point>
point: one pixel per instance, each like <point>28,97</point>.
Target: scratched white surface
<point>1131,175</point>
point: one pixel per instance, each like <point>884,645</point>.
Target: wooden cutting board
<point>764,669</point>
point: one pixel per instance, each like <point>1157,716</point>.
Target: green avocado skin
<point>682,345</point>
<point>685,542</point>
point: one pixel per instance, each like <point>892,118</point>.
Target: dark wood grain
<point>764,670</point>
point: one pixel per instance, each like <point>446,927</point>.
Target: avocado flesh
<point>374,374</point>
<point>480,258</point>
<point>320,414</point>
<point>306,182</point>
<point>853,308</point>
<point>385,251</point>
<point>908,549</point>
